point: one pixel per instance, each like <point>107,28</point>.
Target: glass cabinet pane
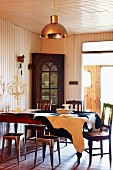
<point>53,68</point>
<point>53,79</point>
<point>50,82</point>
<point>45,94</point>
<point>45,67</point>
<point>54,94</point>
<point>45,80</point>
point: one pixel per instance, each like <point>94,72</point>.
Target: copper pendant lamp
<point>54,30</point>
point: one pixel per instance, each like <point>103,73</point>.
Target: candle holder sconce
<point>16,88</point>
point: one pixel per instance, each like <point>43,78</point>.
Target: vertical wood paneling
<point>15,41</point>
<point>69,68</point>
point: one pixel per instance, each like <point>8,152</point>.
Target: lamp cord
<point>54,7</point>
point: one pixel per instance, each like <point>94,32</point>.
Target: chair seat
<point>96,134</point>
<point>13,135</point>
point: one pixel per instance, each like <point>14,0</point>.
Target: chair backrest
<point>107,116</point>
<point>44,104</point>
<point>77,105</point>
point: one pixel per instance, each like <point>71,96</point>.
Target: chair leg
<point>58,146</point>
<point>51,145</point>
<point>24,140</point>
<point>10,146</point>
<point>2,149</point>
<point>36,152</point>
<point>90,152</point>
<point>101,148</point>
<point>110,155</point>
<point>18,149</point>
<point>25,134</point>
<point>44,150</point>
<point>24,147</point>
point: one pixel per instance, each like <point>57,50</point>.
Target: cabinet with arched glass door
<point>48,78</point>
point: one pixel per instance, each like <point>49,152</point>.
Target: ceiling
<point>78,16</point>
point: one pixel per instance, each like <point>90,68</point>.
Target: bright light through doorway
<point>107,84</point>
<point>100,54</point>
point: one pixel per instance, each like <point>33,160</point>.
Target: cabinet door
<point>48,78</point>
<point>50,82</point>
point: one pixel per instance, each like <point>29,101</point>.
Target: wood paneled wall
<point>15,41</point>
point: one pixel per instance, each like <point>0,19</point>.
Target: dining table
<point>64,125</point>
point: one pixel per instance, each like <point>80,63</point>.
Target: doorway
<point>97,60</point>
<point>106,84</point>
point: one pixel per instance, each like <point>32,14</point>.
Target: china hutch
<point>48,78</point>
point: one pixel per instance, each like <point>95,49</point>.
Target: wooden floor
<point>68,160</point>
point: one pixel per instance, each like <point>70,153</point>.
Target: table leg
<point>8,127</point>
<point>15,127</point>
<point>79,155</point>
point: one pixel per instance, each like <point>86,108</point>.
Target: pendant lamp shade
<point>54,30</point>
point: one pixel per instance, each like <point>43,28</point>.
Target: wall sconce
<point>20,60</point>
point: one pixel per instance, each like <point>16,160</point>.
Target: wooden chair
<point>10,137</point>
<point>50,140</point>
<point>44,104</point>
<point>37,130</point>
<point>103,134</point>
<point>75,104</point>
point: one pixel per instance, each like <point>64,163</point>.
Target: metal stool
<point>10,137</point>
<point>48,139</point>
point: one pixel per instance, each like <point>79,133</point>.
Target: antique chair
<point>37,130</point>
<point>44,104</point>
<point>77,105</point>
<point>10,137</point>
<point>50,140</point>
<point>104,133</point>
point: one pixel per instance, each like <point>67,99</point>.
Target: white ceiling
<point>78,16</point>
